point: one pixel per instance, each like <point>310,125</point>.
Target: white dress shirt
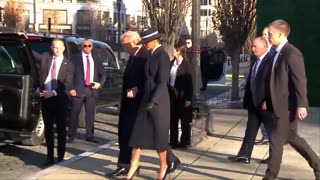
<point>47,83</point>
<point>173,72</point>
<point>278,50</point>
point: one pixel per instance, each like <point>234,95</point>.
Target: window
<point>83,17</point>
<point>205,2</point>
<point>73,48</point>
<point>204,12</point>
<point>57,16</point>
<point>105,56</point>
<point>10,59</point>
<point>115,18</point>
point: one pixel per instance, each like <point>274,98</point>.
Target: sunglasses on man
<point>87,45</point>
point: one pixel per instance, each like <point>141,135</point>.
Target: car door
<point>112,88</point>
<point>19,95</point>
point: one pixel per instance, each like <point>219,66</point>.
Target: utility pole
<point>119,27</point>
<point>34,15</point>
<point>196,49</point>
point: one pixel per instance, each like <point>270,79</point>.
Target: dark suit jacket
<point>183,83</point>
<point>134,76</point>
<point>78,80</point>
<point>255,101</point>
<point>134,72</point>
<point>288,83</point>
<point>65,75</point>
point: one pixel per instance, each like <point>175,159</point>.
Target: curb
<point>72,160</point>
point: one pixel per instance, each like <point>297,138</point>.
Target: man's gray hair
<point>132,35</point>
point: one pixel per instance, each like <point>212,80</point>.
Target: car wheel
<point>37,136</point>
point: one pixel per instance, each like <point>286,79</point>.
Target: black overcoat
<point>151,129</point>
<point>134,76</point>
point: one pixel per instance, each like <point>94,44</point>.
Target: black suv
<point>20,116</point>
<point>111,91</point>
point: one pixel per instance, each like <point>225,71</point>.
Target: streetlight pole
<point>196,49</point>
<point>34,15</point>
<point>119,27</point>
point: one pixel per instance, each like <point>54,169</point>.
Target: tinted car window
<point>40,45</point>
<point>10,59</point>
<point>105,56</point>
<point>73,48</point>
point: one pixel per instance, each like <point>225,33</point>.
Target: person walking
<point>132,91</point>
<point>151,129</point>
<point>56,75</point>
<point>180,91</point>
<point>287,101</point>
<point>89,77</point>
<point>254,97</point>
<point>265,139</point>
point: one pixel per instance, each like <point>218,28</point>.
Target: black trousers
<point>253,124</point>
<point>184,114</point>
<point>282,131</point>
<point>127,117</point>
<point>89,101</point>
<point>53,111</point>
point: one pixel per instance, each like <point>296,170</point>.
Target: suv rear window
<point>39,44</point>
<point>11,61</point>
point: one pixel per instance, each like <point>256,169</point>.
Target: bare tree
<point>235,19</point>
<point>168,16</point>
<point>13,17</point>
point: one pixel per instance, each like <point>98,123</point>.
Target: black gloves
<point>151,107</point>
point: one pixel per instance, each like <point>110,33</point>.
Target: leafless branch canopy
<point>167,16</point>
<point>235,19</point>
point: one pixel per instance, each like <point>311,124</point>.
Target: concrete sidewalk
<point>207,160</point>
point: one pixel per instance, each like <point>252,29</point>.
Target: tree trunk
<point>235,59</point>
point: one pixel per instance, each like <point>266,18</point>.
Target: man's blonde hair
<point>133,36</point>
<point>282,26</point>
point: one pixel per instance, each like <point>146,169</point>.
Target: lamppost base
<point>201,114</point>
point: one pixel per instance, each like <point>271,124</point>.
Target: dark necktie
<point>254,70</point>
<point>88,72</point>
<point>53,74</point>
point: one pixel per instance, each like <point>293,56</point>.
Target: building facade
<point>90,18</point>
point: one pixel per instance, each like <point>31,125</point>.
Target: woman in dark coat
<point>151,129</point>
<point>180,90</point>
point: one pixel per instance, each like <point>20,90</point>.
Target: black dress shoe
<point>263,141</point>
<point>265,161</point>
<point>92,140</point>
<point>120,171</point>
<point>240,159</point>
<point>172,166</point>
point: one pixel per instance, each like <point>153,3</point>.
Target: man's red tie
<point>88,72</point>
<point>53,74</point>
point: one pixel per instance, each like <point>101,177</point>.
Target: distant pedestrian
<point>89,77</point>
<point>189,54</point>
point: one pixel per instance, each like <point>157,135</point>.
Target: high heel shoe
<point>137,172</point>
<point>165,175</point>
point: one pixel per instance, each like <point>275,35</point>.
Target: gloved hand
<point>151,107</point>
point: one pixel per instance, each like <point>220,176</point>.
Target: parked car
<point>20,115</point>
